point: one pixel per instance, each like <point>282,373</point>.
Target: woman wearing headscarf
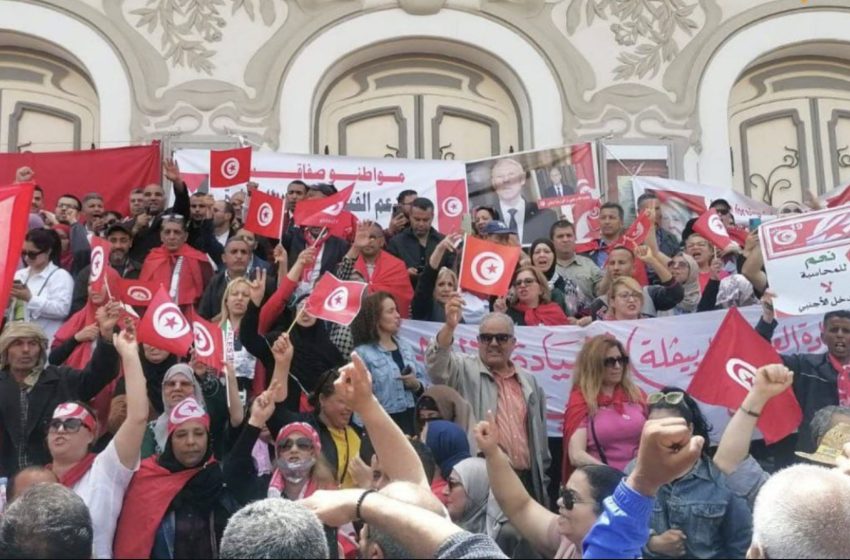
<point>178,504</point>
<point>731,291</point>
<point>685,270</point>
<point>441,402</point>
<point>467,493</point>
<point>564,292</point>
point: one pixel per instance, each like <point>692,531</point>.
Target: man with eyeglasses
<point>68,209</point>
<point>491,381</point>
<point>31,389</point>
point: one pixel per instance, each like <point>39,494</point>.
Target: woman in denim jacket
<point>397,378</point>
<point>696,516</point>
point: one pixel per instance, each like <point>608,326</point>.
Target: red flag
<point>265,215</point>
<point>637,232</point>
<point>100,249</point>
<point>209,342</point>
<point>840,199</point>
<point>582,160</point>
<point>335,300</point>
<point>487,268</point>
<point>15,201</point>
<point>586,220</point>
<point>137,293</point>
<point>164,326</point>
<point>230,167</point>
<point>451,205</point>
<point>322,212</point>
<point>710,226</point>
<point>727,372</point>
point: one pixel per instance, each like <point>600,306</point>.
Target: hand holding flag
<point>710,226</point>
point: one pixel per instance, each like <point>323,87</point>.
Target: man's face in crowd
<point>154,199</point>
<point>93,208</point>
<point>564,239</point>
<point>23,353</point>
<point>610,223</point>
<point>621,263</point>
<point>376,241</point>
<point>249,238</point>
<point>220,215</point>
<point>294,193</point>
<point>406,204</point>
<point>655,205</point>
<point>700,249</point>
<point>420,221</point>
<point>495,354</point>
<point>120,244</point>
<point>238,201</point>
<point>65,203</point>
<point>198,208</point>
<point>173,235</point>
<point>236,258</point>
<point>836,336</point>
<point>37,200</point>
<point>137,203</point>
<point>508,178</point>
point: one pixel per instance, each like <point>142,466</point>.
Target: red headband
<point>186,411</point>
<point>74,410</point>
<point>306,429</point>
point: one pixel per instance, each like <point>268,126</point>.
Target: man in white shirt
<point>223,215</point>
<point>101,480</point>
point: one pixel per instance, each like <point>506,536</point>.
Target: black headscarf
<point>154,373</point>
<point>203,490</point>
<point>314,353</point>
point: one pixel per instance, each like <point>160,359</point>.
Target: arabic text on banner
<point>806,258</point>
<point>664,351</point>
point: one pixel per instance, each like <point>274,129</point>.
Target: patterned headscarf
<point>22,329</point>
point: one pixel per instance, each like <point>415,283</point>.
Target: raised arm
<point>104,364</point>
<point>235,410</point>
<point>128,438</point>
<point>440,363</point>
<point>651,259</point>
<point>354,386</point>
<point>531,519</point>
<point>276,304</point>
<point>753,267</point>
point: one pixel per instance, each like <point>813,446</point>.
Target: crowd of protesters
<point>321,440</point>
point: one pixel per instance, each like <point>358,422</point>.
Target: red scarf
<point>194,274</point>
<point>843,380</point>
<point>78,471</point>
<point>390,275</point>
<point>147,499</point>
<point>577,411</point>
<point>546,314</point>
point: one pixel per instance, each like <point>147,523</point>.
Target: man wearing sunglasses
<point>491,381</point>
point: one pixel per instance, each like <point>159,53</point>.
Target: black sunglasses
<point>487,338</point>
<point>304,444</point>
<point>70,425</point>
<point>570,499</point>
<point>621,360</point>
<point>722,211</point>
<point>31,254</point>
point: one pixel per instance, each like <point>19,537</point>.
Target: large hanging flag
<point>15,201</point>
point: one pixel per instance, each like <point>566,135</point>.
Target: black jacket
<point>57,384</point>
<point>334,249</point>
<point>148,238</point>
<point>815,384</point>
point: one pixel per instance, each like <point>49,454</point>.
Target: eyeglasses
<point>525,282</point>
<point>620,360</point>
<point>487,338</point>
<point>31,254</point>
<point>304,444</point>
<point>70,425</point>
<point>67,206</point>
<point>722,211</point>
<point>673,398</point>
<point>570,498</point>
<point>626,296</point>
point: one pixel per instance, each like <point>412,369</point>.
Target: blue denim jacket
<point>386,377</point>
<point>716,521</point>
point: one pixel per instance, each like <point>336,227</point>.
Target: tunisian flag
<point>727,373</point>
<point>335,300</point>
<point>230,167</point>
<point>322,212</point>
<point>637,232</point>
<point>487,268</point>
<point>100,249</point>
<point>137,293</point>
<point>710,226</point>
<point>390,275</point>
<point>582,160</point>
<point>839,200</point>
<point>164,326</point>
<point>586,223</point>
<point>265,215</point>
<point>451,204</point>
<point>15,201</point>
<point>209,342</point>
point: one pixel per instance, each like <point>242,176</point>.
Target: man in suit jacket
<point>559,186</point>
<point>508,178</point>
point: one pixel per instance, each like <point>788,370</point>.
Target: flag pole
<point>295,321</point>
<point>319,237</point>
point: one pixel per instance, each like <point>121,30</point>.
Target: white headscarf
<point>473,475</point>
<point>160,427</point>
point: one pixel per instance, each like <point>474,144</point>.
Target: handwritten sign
<point>807,259</point>
<point>661,354</point>
<point>377,182</point>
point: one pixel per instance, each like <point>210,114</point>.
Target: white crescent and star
<point>265,214</point>
<point>203,340</point>
<point>169,322</point>
<point>741,372</point>
<point>452,207</point>
<point>337,300</point>
<point>230,168</point>
<point>487,268</point>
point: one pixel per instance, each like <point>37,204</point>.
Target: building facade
<point>749,93</point>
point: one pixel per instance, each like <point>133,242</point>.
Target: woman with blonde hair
<point>234,305</point>
<point>606,409</point>
<point>531,304</point>
<point>625,299</point>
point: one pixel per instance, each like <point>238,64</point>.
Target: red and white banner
<point>665,351</point>
<point>335,300</point>
<point>164,326</point>
<point>807,260</point>
<point>710,226</point>
<point>452,201</point>
<point>322,212</point>
<point>377,182</point>
<point>100,249</point>
<point>230,167</point>
<point>118,170</point>
<point>15,201</point>
<point>265,215</point>
<point>209,342</point>
<point>487,267</point>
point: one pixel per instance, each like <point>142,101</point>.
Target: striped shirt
<point>511,417</point>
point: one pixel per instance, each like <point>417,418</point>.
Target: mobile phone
<point>407,370</point>
<point>755,223</point>
<point>396,210</point>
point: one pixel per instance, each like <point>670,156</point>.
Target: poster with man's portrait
<point>531,190</point>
